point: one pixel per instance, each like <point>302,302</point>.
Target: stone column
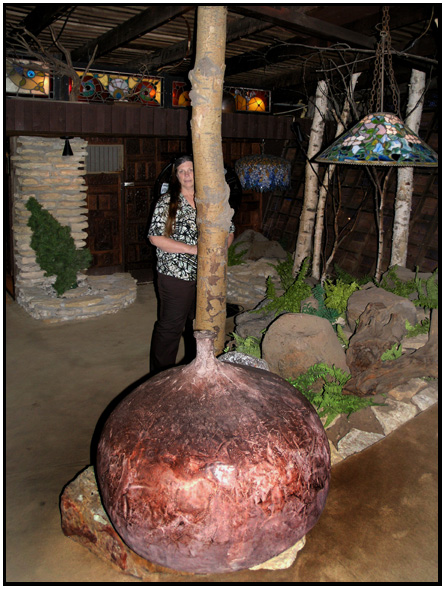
<point>58,183</point>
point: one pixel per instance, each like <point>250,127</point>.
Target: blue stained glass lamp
<point>379,139</point>
<point>263,172</point>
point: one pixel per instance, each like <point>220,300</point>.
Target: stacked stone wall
<point>57,182</point>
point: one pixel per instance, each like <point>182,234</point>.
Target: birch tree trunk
<point>319,228</point>
<point>403,199</point>
<point>307,217</point>
<point>211,191</point>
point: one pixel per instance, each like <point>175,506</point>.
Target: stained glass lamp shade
<point>263,173</point>
<point>379,139</point>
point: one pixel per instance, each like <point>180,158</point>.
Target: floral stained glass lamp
<point>379,139</point>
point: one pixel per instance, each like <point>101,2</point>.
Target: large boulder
<point>400,307</point>
<point>246,283</point>
<point>296,341</point>
<point>404,275</point>
<point>256,245</point>
<point>254,322</point>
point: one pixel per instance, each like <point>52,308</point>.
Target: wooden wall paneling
<point>39,113</point>
<point>74,119</point>
<point>57,119</point>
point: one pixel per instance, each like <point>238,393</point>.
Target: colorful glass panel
<point>250,99</point>
<point>106,87</point>
<point>180,94</point>
<point>26,77</point>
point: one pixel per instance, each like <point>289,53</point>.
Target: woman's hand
<point>172,246</point>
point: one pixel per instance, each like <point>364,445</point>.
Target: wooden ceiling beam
<point>148,20</point>
<point>177,51</point>
<point>43,16</point>
<point>296,20</point>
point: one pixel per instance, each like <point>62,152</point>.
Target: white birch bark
<point>311,194</point>
<point>211,191</point>
<point>403,199</point>
<point>320,214</point>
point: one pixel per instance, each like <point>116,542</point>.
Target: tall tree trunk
<point>306,223</point>
<point>211,191</point>
<point>380,195</point>
<point>319,228</point>
<point>403,199</point>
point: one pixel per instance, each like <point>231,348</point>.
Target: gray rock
<point>406,391</point>
<point>394,414</point>
<point>246,283</point>
<point>296,341</point>
<point>427,397</point>
<point>398,306</point>
<point>239,358</point>
<point>356,441</point>
<point>254,322</point>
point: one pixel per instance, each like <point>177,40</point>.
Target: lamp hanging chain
<point>383,53</point>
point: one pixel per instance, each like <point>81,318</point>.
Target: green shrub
<point>329,401</point>
<point>55,249</point>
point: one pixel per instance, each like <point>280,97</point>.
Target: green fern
<point>329,401</point>
<point>322,310</point>
<point>421,328</point>
<point>429,298</point>
<point>285,271</point>
<point>291,300</point>
<point>392,353</point>
<point>345,277</point>
<point>236,258</point>
<point>337,294</point>
<point>342,337</point>
<point>249,345</point>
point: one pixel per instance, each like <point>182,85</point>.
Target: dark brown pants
<point>176,312</point>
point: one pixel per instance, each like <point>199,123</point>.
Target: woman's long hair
<point>174,191</point>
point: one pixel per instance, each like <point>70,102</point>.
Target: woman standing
<point>173,231</point>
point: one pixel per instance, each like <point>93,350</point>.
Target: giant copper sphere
<point>213,467</point>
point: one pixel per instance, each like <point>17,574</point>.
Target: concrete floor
<point>380,523</point>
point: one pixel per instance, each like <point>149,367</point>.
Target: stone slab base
<point>95,296</point>
<point>84,520</point>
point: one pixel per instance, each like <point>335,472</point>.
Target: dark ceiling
<point>284,48</point>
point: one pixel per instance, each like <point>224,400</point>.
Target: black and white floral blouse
<point>174,264</point>
<point>179,265</point>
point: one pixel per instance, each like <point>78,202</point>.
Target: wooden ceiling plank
<point>146,21</point>
<point>294,20</point>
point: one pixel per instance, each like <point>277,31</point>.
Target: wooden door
<point>104,222</point>
<point>139,178</point>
